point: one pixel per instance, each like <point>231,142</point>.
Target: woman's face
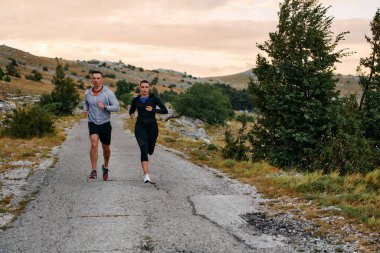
<point>144,89</point>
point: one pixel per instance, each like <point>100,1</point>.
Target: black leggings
<point>146,135</point>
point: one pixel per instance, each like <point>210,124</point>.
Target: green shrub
<point>126,98</point>
<point>245,118</point>
<point>110,75</point>
<point>345,148</point>
<point>7,78</point>
<point>236,148</point>
<point>11,68</point>
<point>124,87</point>
<point>169,139</point>
<point>212,147</point>
<point>154,81</point>
<point>202,155</point>
<point>240,99</point>
<point>168,96</point>
<point>28,122</point>
<point>204,102</point>
<point>35,76</point>
<point>229,163</point>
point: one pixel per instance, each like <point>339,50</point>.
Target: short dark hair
<point>144,81</point>
<point>96,72</point>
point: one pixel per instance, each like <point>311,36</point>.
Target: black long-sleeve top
<point>143,114</point>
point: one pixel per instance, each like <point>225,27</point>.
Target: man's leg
<point>94,150</point>
<point>106,154</point>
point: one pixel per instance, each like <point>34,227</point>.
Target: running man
<point>146,128</point>
<point>98,104</point>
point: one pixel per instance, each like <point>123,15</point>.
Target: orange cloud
<point>202,37</point>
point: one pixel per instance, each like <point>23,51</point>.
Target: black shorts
<point>103,131</point>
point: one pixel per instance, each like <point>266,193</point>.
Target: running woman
<point>98,105</point>
<point>146,129</point>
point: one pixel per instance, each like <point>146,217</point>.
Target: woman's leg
<point>142,139</point>
<point>152,137</point>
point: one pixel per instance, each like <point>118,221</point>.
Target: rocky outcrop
<point>7,106</point>
<point>188,127</point>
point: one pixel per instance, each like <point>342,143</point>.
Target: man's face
<point>144,89</point>
<point>96,79</point>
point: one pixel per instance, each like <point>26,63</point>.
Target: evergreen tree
<point>370,81</point>
<point>295,90</point>
<point>64,97</point>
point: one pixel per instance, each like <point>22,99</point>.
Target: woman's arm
<point>133,107</point>
<point>163,109</point>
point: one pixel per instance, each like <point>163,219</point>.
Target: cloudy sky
<point>201,37</point>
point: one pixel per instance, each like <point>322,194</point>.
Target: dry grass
<point>35,149</point>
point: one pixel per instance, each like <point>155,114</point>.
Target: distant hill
<point>347,84</point>
<point>79,71</point>
<point>113,71</point>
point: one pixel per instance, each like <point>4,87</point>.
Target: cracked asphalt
<point>189,209</point>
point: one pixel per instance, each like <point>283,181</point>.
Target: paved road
<point>190,209</point>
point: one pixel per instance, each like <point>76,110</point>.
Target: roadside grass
<point>35,149</point>
<point>314,195</point>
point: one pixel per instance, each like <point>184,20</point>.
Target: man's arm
<point>85,105</point>
<point>113,103</point>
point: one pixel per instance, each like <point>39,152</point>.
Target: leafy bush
<point>35,76</point>
<point>110,75</point>
<point>168,96</point>
<point>93,62</point>
<point>245,118</point>
<point>240,99</point>
<point>28,122</point>
<point>11,68</point>
<point>7,78</point>
<point>123,87</point>
<point>126,98</point>
<point>212,147</point>
<point>204,102</point>
<point>229,163</point>
<point>236,148</point>
<point>345,148</point>
<point>154,81</point>
<point>154,91</point>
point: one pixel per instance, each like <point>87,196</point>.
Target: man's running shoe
<point>146,178</point>
<point>92,175</point>
<point>105,173</point>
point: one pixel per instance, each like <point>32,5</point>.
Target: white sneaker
<point>146,178</point>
